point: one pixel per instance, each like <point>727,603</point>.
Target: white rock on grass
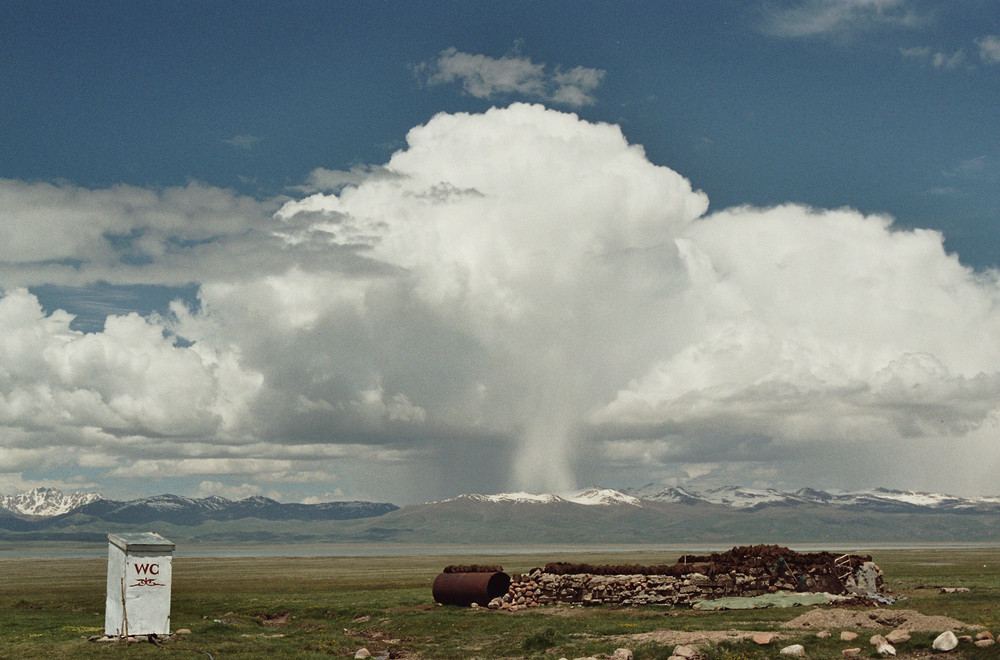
<point>885,649</point>
<point>621,654</point>
<point>882,645</point>
<point>363,653</point>
<point>794,650</point>
<point>682,651</point>
<point>946,641</point>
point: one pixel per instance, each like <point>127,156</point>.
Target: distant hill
<point>671,516</point>
<point>95,516</point>
<point>879,499</point>
<point>596,516</point>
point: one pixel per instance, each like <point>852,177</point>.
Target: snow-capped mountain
<point>604,496</point>
<point>49,505</point>
<point>45,502</point>
<point>651,514</point>
<point>751,499</point>
<point>509,498</point>
<point>589,497</point>
<point>882,499</point>
<point>730,496</point>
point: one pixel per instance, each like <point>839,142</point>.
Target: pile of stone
<point>743,571</point>
<point>136,639</point>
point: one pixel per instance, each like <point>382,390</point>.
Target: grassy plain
<point>320,607</point>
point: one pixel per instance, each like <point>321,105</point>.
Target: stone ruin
<point>745,571</point>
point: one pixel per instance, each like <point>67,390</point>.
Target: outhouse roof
<point>140,541</point>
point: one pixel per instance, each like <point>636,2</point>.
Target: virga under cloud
<point>520,291</point>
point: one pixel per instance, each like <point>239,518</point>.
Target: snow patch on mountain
<point>603,497</point>
<point>737,497</point>
<point>45,502</point>
<point>743,498</point>
<point>509,498</point>
<point>589,497</point>
<point>749,499</point>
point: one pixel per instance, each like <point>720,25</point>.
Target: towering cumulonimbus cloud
<point>544,240</point>
<point>603,303</point>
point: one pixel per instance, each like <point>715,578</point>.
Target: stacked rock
<point>745,571</point>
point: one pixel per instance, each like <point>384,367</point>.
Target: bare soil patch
<point>690,637</point>
<point>820,619</point>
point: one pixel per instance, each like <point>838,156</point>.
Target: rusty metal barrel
<point>464,589</point>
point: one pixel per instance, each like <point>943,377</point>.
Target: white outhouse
<point>139,569</point>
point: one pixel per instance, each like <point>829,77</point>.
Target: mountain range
<point>650,514</point>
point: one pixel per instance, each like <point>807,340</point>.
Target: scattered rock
<point>763,638</point>
<point>954,590</point>
<point>621,654</point>
<point>898,636</point>
<point>823,634</point>
<point>182,631</point>
<point>362,653</point>
<point>794,649</point>
<point>885,649</point>
<point>682,651</point>
<point>983,643</point>
<point>946,641</point>
<point>985,634</point>
<point>850,653</point>
<point>882,645</point>
<point>867,579</point>
<point>848,636</point>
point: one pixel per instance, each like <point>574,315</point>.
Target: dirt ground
<point>817,619</point>
<point>689,638</point>
<point>829,618</point>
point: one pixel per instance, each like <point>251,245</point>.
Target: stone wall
<point>749,572</point>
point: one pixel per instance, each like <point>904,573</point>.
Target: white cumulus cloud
<point>130,378</point>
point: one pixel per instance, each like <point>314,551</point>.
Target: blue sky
<point>239,159</point>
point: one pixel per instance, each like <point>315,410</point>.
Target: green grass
<point>332,606</point>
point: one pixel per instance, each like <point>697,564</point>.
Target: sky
<point>399,251</point>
